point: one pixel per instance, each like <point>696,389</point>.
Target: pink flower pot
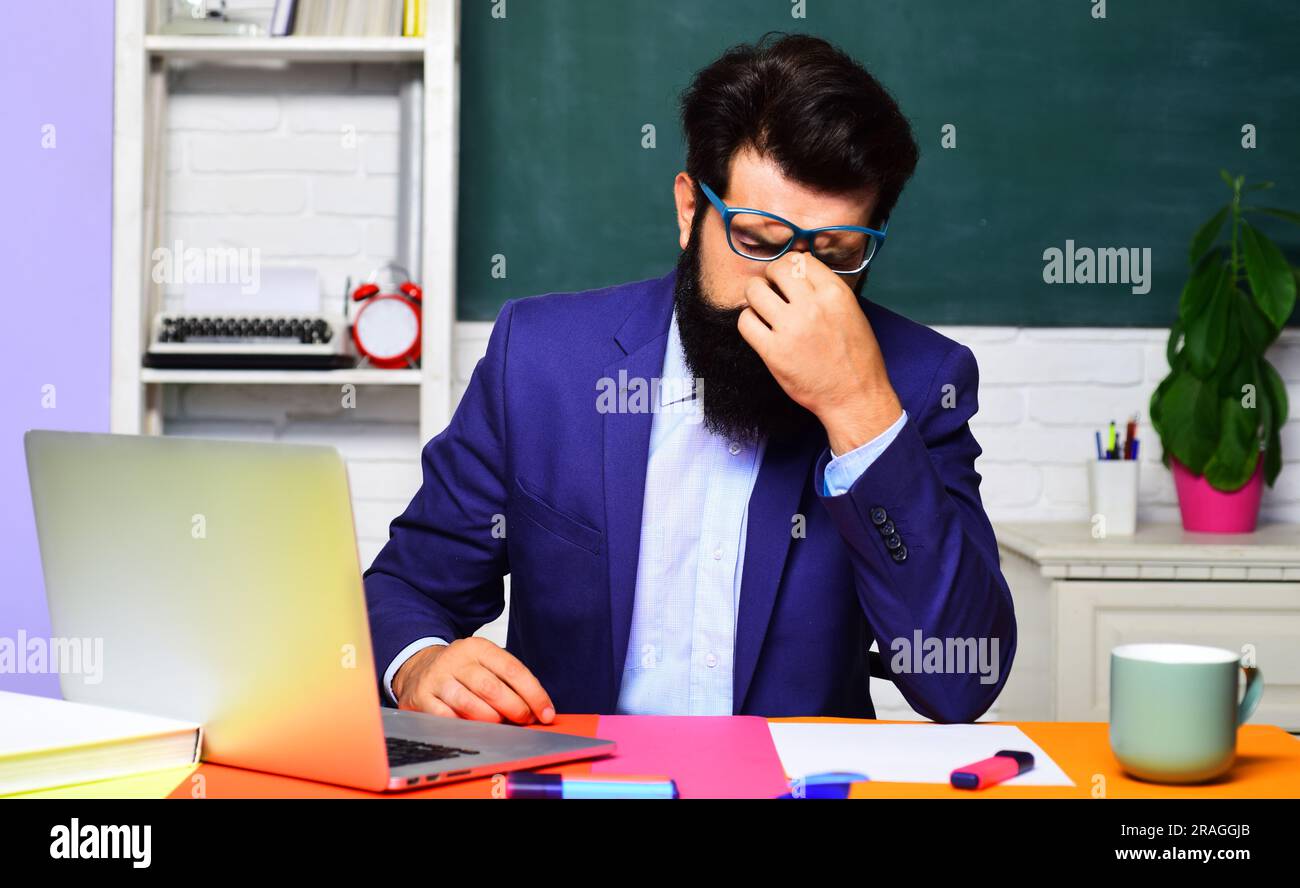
<point>1207,510</point>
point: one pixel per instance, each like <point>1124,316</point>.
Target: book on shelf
<point>282,18</point>
<point>413,18</point>
<point>347,18</point>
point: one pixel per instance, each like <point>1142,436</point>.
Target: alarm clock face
<point>387,327</point>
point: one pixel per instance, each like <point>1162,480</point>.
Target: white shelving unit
<point>360,376</point>
<point>140,95</point>
<point>289,49</point>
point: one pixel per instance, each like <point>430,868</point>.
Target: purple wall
<point>55,254</point>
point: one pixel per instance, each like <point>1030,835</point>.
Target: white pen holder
<point>1113,496</point>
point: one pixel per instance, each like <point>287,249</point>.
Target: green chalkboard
<point>1105,132</point>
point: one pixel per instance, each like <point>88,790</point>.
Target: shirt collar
<point>675,383</point>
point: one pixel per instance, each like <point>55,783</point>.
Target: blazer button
<point>887,528</point>
<point>878,516</point>
<point>899,554</point>
<point>893,542</point>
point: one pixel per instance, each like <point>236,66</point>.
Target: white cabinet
<point>1077,597</point>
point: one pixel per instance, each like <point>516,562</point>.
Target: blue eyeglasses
<point>755,234</point>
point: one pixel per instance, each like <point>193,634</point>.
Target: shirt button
<point>878,516</point>
<point>734,448</point>
<point>717,554</point>
<point>711,661</point>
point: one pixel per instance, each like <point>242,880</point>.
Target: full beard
<point>742,400</point>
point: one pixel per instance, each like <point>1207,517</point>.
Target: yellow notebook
<point>46,743</point>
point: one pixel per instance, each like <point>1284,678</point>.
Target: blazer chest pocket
<point>552,520</point>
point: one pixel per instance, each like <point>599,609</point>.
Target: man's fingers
<point>510,670</point>
<point>487,687</point>
<point>793,274</point>
<point>754,331</point>
<point>765,301</point>
<point>465,702</point>
<point>433,706</point>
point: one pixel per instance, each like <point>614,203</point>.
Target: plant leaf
<point>1207,328</point>
<point>1275,211</point>
<point>1271,281</point>
<point>1237,369</point>
<point>1206,235</point>
<point>1268,428</point>
<point>1272,457</point>
<point>1198,290</point>
<point>1175,340</point>
<point>1234,459</point>
<point>1187,419</point>
<point>1275,389</point>
<point>1257,331</point>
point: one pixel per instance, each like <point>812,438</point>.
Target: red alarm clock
<point>386,328</point>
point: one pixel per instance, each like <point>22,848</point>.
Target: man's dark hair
<point>798,100</point>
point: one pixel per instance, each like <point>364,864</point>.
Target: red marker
<point>1004,765</point>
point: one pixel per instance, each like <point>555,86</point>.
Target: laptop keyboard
<point>410,752</point>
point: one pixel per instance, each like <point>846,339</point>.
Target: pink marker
<point>1004,765</point>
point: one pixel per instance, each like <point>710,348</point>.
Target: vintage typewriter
<point>248,342</point>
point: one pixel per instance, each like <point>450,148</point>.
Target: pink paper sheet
<point>709,756</point>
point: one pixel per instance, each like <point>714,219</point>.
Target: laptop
<point>224,581</point>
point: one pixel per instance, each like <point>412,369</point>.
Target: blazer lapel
<point>642,338</point>
<point>782,481</point>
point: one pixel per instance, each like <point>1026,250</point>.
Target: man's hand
<point>472,678</point>
<point>806,325</point>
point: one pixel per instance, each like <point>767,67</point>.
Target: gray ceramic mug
<point>1174,710</point>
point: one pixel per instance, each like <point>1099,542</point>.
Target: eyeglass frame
<point>804,234</point>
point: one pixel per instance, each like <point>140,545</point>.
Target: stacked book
<point>46,743</point>
<point>350,18</point>
<point>298,18</point>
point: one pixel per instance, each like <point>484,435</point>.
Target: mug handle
<point>1254,690</point>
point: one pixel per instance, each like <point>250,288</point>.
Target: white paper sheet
<point>272,290</point>
<point>905,753</point>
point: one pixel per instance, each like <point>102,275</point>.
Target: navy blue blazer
<point>531,479</point>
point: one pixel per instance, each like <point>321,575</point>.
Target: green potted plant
<point>1219,411</point>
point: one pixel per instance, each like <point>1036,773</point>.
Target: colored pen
<point>1003,765</point>
<point>526,785</point>
<point>828,785</point>
<point>1098,437</point>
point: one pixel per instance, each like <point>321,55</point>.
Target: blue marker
<point>526,785</point>
<point>828,785</point>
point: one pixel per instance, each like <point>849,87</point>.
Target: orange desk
<point>1268,766</point>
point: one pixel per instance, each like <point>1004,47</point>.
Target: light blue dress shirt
<point>693,528</point>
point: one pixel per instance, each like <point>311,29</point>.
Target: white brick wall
<point>1044,391</point>
<point>300,163</point>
